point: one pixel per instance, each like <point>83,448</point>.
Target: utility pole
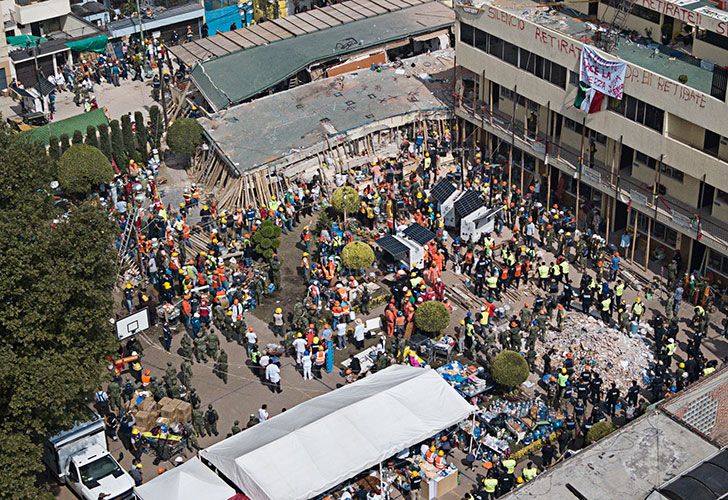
<point>160,63</point>
<point>141,28</point>
<point>580,167</point>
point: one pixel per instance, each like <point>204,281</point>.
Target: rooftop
<point>641,457</point>
<point>311,114</point>
<point>231,79</point>
<point>274,30</point>
<point>644,53</point>
<point>162,17</point>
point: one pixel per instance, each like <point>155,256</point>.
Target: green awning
<point>67,126</point>
<point>23,40</point>
<point>93,44</point>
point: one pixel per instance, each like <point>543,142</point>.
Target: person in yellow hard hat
<point>278,322</point>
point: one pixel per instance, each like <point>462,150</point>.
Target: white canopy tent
<point>329,439</point>
<point>192,479</point>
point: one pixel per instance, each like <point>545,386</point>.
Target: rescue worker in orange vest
<point>430,455</point>
<point>146,378</point>
<point>319,361</point>
<point>440,463</point>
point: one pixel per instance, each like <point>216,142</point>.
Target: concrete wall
<point>38,11</point>
<point>638,24</point>
<point>684,102</point>
<point>710,52</point>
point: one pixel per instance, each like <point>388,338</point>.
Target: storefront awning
<point>327,440</point>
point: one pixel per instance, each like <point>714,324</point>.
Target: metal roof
<point>302,121</point>
<point>393,246</point>
<point>238,76</point>
<point>310,21</point>
<point>419,234</point>
<point>707,481</point>
<point>162,17</point>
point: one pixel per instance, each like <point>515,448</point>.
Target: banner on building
<point>602,75</point>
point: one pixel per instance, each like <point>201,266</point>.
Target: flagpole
<point>579,168</point>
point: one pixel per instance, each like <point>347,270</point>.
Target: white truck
<point>80,458</point>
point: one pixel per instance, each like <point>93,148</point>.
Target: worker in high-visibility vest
<point>638,308</point>
<point>529,472</point>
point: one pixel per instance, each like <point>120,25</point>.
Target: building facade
<point>653,164</point>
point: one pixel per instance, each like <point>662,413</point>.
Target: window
<point>466,33</point>
<point>638,111</point>
<point>713,39</point>
<point>599,138</point>
<point>711,142</point>
<point>659,231</point>
<point>512,54</point>
<point>667,170</point>
<point>573,78</point>
<point>572,125</point>
<point>718,262</point>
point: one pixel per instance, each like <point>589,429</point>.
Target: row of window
<point>576,127</point>
<point>651,163</point>
<point>639,111</point>
<point>636,10</point>
<point>512,54</point>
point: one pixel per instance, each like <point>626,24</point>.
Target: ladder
<point>622,10</point>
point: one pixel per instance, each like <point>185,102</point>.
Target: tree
<point>128,135</point>
<point>432,317</point>
<point>105,141</point>
<point>117,147</point>
<point>92,138</point>
<point>509,369</point>
<point>142,137</point>
<point>185,136</point>
<point>82,168</point>
<point>266,239</point>
<point>54,147</point>
<point>345,200</point>
<point>156,125</point>
<point>357,255</point>
<point>599,431</point>
<point>56,296</point>
<point>65,143</point>
<point>77,137</point>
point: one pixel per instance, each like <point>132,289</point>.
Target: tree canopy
<point>432,317</point>
<point>345,200</point>
<point>58,273</point>
<point>184,136</point>
<point>82,168</point>
<point>266,239</point>
<point>509,369</point>
<point>357,255</point>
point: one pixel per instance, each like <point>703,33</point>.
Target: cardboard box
<point>168,410</point>
<point>163,402</point>
<point>144,420</point>
<point>148,405</point>
<point>183,412</point>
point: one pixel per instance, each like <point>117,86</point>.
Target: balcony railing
<point>624,187</point>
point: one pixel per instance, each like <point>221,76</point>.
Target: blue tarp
<point>220,20</point>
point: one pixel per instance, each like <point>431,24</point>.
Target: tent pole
<point>472,435</point>
<point>381,480</point>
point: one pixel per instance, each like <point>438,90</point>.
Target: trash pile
<point>617,356</point>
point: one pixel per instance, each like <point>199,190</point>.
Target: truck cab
<point>80,458</point>
<point>94,472</point>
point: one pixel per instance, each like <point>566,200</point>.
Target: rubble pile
<point>617,356</point>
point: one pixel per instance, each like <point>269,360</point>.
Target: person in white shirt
<point>252,339</point>
<point>273,376</point>
<point>359,334</point>
<point>300,346</point>
<point>307,364</point>
<point>341,335</point>
<point>263,413</point>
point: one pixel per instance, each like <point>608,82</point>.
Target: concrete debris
<point>618,357</point>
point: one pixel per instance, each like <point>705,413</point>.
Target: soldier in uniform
<point>228,327</point>
<point>198,422</point>
<point>211,418</point>
<point>212,343</point>
<point>235,428</point>
<point>114,392</point>
<point>193,398</point>
<point>275,271</point>
<point>192,443</point>
<point>187,348</point>
<point>186,373</point>
<point>170,374</point>
<point>199,350</point>
<point>157,390</point>
<point>221,368</point>
<point>173,389</point>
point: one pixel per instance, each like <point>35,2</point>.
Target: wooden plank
<point>237,37</point>
<point>286,24</point>
<point>252,36</point>
<point>206,44</point>
<point>277,30</point>
<point>224,42</point>
<point>367,8</point>
<point>313,21</point>
<point>308,28</point>
<point>345,9</point>
<point>261,32</point>
<point>393,3</point>
<point>386,4</point>
<point>324,17</point>
<point>184,55</point>
<point>331,11</point>
<point>197,50</point>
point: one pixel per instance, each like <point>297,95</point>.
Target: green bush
<point>77,137</point>
<point>65,143</point>
<point>105,141</point>
<point>82,168</point>
<point>266,239</point>
<point>509,369</point>
<point>432,317</point>
<point>142,137</point>
<point>117,146</point>
<point>345,200</point>
<point>92,138</point>
<point>357,255</point>
<point>54,147</point>
<point>156,125</point>
<point>599,431</point>
<point>184,136</point>
<point>128,135</point>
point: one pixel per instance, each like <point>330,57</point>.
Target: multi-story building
<point>653,164</point>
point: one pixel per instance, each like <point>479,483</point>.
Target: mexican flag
<point>588,99</point>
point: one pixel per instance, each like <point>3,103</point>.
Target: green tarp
<point>23,40</point>
<point>93,44</point>
<point>67,126</point>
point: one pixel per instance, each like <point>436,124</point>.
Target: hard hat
<point>229,313</point>
<point>139,465</point>
<point>415,473</point>
<point>488,465</point>
<point>299,335</point>
<point>519,480</point>
<point>278,310</point>
<point>305,254</point>
<point>638,299</point>
<point>681,365</point>
<point>135,431</point>
<point>161,470</point>
<point>432,448</point>
<point>563,370</point>
<point>128,285</point>
<point>440,453</point>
